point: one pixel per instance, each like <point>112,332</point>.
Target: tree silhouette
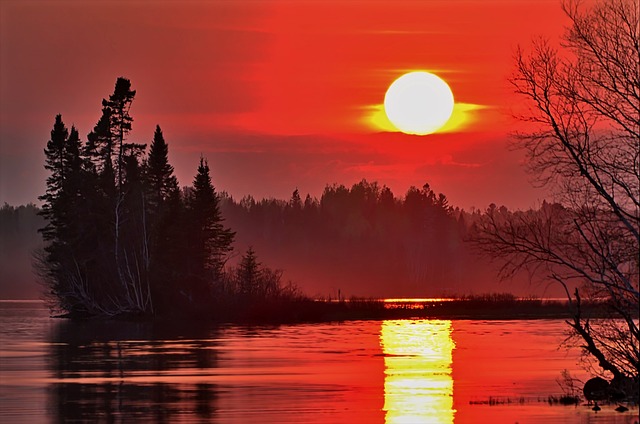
<point>166,216</point>
<point>117,241</point>
<point>249,274</point>
<point>210,240</point>
<point>163,184</point>
<point>585,144</point>
<point>99,151</point>
<point>63,230</point>
<point>55,163</point>
<point>118,106</point>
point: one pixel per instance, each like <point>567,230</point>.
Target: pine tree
<point>211,241</point>
<point>97,208</point>
<point>118,105</point>
<point>164,221</point>
<point>55,163</point>
<point>249,275</point>
<point>296,202</point>
<point>72,151</point>
<point>120,236</point>
<point>63,185</point>
<point>98,154</point>
<point>61,265</point>
<point>72,188</point>
<point>125,201</point>
<point>162,183</point>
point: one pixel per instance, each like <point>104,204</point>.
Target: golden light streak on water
<point>418,386</point>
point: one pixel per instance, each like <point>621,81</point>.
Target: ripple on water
<point>55,370</point>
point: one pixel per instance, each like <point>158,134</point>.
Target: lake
<point>401,371</point>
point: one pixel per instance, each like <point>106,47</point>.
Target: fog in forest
<point>366,241</point>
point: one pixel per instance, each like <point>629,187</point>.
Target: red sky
<point>276,94</point>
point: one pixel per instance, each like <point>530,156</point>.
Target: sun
<point>418,103</point>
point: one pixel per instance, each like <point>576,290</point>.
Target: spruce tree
<point>98,206</point>
<point>154,212</point>
<point>99,145</point>
<point>119,234</point>
<point>295,202</point>
<point>249,274</point>
<point>62,263</point>
<point>72,188</point>
<point>211,241</point>
<point>55,164</point>
<point>162,183</point>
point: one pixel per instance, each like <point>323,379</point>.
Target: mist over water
<point>438,371</point>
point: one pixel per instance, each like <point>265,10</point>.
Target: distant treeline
<point>360,239</point>
<point>310,240</point>
<point>18,239</point>
<point>364,240</point>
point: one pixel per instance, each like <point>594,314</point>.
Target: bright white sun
<point>418,103</point>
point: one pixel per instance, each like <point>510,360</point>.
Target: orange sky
<point>277,94</point>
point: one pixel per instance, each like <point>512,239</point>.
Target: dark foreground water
<point>410,371</point>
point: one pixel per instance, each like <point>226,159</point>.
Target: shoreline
<point>305,310</point>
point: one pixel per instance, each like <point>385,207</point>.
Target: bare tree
<point>583,141</point>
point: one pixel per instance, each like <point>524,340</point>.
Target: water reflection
<point>125,372</point>
<point>418,385</point>
<point>131,372</point>
<point>311,373</point>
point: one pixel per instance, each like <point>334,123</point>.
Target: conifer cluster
<point>121,237</point>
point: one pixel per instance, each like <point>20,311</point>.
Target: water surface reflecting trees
<point>396,371</point>
<point>131,371</point>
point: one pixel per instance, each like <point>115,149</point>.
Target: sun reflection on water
<point>418,386</point>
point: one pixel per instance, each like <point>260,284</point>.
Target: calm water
<point>429,371</point>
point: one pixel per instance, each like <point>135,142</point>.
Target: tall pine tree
<point>166,219</point>
<point>62,265</point>
<point>118,105</point>
<point>121,238</point>
<point>162,183</point>
<point>211,241</point>
<point>55,164</point>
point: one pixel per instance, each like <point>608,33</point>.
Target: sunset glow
<point>319,211</point>
<point>277,95</point>
<point>418,103</point>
